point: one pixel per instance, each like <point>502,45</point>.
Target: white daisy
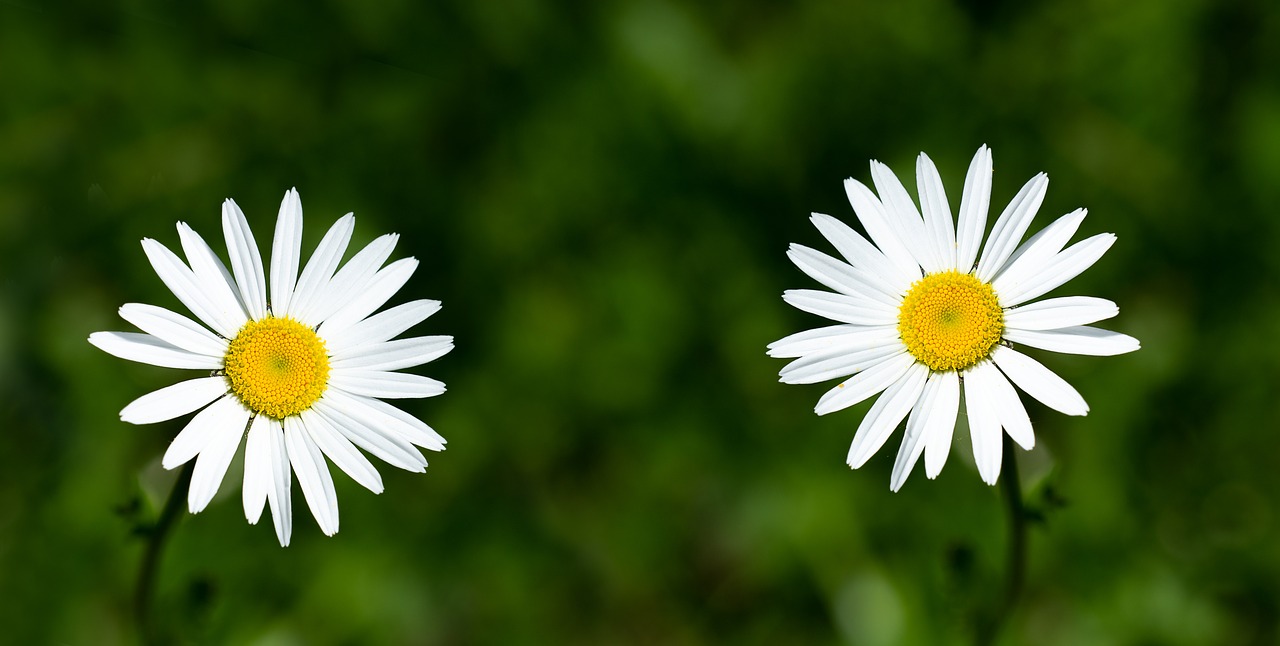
<point>922,316</point>
<point>301,376</point>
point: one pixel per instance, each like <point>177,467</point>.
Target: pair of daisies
<point>300,373</point>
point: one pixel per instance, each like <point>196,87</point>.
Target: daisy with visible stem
<point>924,317</point>
<point>300,377</point>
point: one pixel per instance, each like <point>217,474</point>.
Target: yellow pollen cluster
<point>277,366</point>
<point>950,320</point>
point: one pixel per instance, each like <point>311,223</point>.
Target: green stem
<point>1016,547</point>
<point>156,538</point>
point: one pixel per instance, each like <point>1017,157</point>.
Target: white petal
<point>1064,266</point>
<point>1008,407</point>
<point>924,415</point>
<point>1010,227</point>
<point>984,426</point>
<point>174,329</point>
<point>388,447</point>
<point>341,451</point>
<point>941,424</point>
<point>839,276</point>
<point>222,414</point>
<point>315,276</point>
<point>179,279</point>
<point>378,414</point>
<point>313,475</point>
<point>1039,382</point>
<point>286,249</point>
<point>386,385</point>
<point>394,355</point>
<point>350,281</point>
<point>215,456</point>
<point>973,210</point>
<point>885,415</point>
<point>174,401</point>
<point>384,285</point>
<point>147,349</point>
<point>821,366</point>
<point>257,467</point>
<point>839,307</point>
<point>278,492</point>
<point>246,262</point>
<point>1062,312</point>
<point>903,216</point>
<point>851,337</point>
<point>1031,258</point>
<point>1076,340</point>
<point>215,281</point>
<point>381,326</point>
<point>864,255</point>
<point>939,227</point>
<point>864,384</point>
<point>874,219</point>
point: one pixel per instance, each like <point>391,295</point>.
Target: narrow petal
<point>1055,313</point>
<point>386,385</point>
<point>217,284</point>
<point>941,425</point>
<point>939,227</point>
<point>341,451</point>
<point>864,255</point>
<point>246,262</point>
<point>278,492</point>
<point>1031,258</point>
<point>842,308</point>
<point>1011,226</point>
<point>1008,407</point>
<point>381,326</point>
<point>350,281</point>
<point>174,329</point>
<point>851,337</point>
<point>378,414</point>
<point>1064,266</point>
<point>1039,382</point>
<point>839,276</point>
<point>1076,340</point>
<point>875,220</point>
<point>313,475</point>
<point>864,384</point>
<point>257,468</point>
<point>885,415</point>
<point>319,270</point>
<point>222,414</point>
<point>384,285</point>
<point>144,348</point>
<point>286,249</point>
<point>394,355</point>
<point>183,283</point>
<point>984,426</point>
<point>819,367</point>
<point>215,456</point>
<point>973,210</point>
<point>903,216</point>
<point>388,447</point>
<point>174,401</point>
<point>914,439</point>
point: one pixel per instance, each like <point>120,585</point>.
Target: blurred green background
<point>602,194</point>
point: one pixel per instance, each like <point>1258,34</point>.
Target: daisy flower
<point>923,316</point>
<point>300,377</point>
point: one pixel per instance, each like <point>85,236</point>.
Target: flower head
<point>301,377</point>
<point>922,316</point>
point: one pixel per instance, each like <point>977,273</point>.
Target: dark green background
<point>602,196</point>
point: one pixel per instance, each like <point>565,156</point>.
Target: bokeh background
<point>602,194</point>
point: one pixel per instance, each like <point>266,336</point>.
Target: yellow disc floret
<point>950,320</point>
<point>277,366</point>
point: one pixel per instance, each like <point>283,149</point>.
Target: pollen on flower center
<point>950,320</point>
<point>277,366</point>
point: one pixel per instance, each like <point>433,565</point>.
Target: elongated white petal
<point>319,270</point>
<point>1031,258</point>
<point>940,229</point>
<point>394,355</point>
<point>1076,340</point>
<point>286,249</point>
<point>313,475</point>
<point>864,255</point>
<point>941,425</point>
<point>1055,313</point>
<point>215,456</point>
<point>839,276</point>
<point>381,326</point>
<point>1011,226</point>
<point>1039,382</point>
<point>903,216</point>
<point>179,279</point>
<point>914,439</point>
<point>386,385</point>
<point>147,349</point>
<point>217,284</point>
<point>984,426</point>
<point>341,451</point>
<point>843,336</point>
<point>246,262</point>
<point>973,210</point>
<point>351,280</point>
<point>885,415</point>
<point>384,285</point>
<point>174,329</point>
<point>1008,406</point>
<point>174,401</point>
<point>1063,267</point>
<point>279,495</point>
<point>200,430</point>
<point>388,447</point>
<point>842,308</point>
<point>874,219</point>
<point>822,366</point>
<point>378,414</point>
<point>257,468</point>
<point>864,384</point>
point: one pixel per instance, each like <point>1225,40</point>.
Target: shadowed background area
<point>602,196</point>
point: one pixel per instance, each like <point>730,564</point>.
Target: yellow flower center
<point>277,366</point>
<point>950,320</point>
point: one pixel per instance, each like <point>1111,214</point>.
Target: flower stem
<point>150,566</point>
<point>1016,547</point>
